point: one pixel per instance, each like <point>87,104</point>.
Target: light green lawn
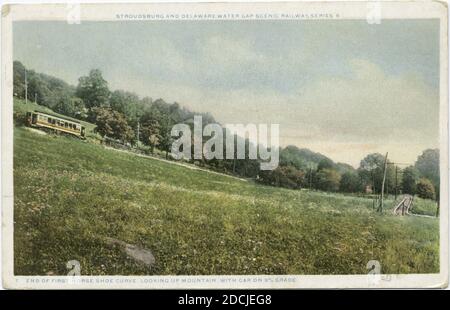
<point>70,194</point>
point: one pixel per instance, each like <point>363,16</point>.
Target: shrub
<point>425,189</point>
<point>328,180</point>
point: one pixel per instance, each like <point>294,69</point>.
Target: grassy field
<point>424,207</point>
<point>70,195</point>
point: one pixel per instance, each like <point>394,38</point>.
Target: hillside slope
<point>70,195</point>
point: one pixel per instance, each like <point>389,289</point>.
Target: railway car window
<point>49,120</point>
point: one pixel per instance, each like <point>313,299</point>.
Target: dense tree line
<point>321,173</point>
<point>118,114</point>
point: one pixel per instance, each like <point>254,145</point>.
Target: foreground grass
<point>70,195</point>
<point>424,206</point>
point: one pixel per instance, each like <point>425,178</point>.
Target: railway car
<point>55,123</point>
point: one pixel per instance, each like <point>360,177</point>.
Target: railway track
<point>404,205</point>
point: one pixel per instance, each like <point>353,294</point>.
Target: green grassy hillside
<point>70,195</point>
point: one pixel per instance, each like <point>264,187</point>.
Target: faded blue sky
<point>343,88</point>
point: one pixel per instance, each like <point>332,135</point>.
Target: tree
<point>325,164</point>
<point>302,159</point>
<point>428,166</point>
<point>371,171</point>
<point>328,180</point>
<point>282,176</point>
<point>71,106</point>
<point>112,124</point>
<point>165,139</point>
<point>295,178</point>
<point>425,189</point>
<point>19,79</point>
<point>128,104</point>
<point>343,168</point>
<point>409,180</point>
<point>350,182</point>
<point>150,128</point>
<point>44,89</point>
<point>93,90</point>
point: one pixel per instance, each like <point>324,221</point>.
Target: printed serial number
<point>231,299</point>
<point>246,300</point>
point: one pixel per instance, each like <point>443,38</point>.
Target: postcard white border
<point>108,12</point>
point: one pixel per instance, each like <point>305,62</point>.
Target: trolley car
<point>55,123</point>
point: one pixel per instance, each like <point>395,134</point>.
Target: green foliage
<point>350,183</point>
<point>283,176</point>
<point>69,195</point>
<point>302,159</point>
<point>325,164</point>
<point>371,171</point>
<point>165,139</point>
<point>128,104</point>
<point>150,128</point>
<point>328,180</point>
<point>70,106</point>
<point>344,168</point>
<point>47,91</point>
<point>409,180</point>
<point>112,124</point>
<point>425,189</point>
<point>19,79</point>
<point>93,90</point>
<point>428,166</point>
<point>297,177</point>
<point>298,167</point>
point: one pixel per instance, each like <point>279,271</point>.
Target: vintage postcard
<point>225,145</point>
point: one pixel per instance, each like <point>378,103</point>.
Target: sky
<point>344,88</point>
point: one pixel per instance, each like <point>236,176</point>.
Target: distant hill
<point>301,158</point>
<point>58,96</point>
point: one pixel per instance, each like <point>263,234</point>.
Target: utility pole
<point>138,128</point>
<point>35,97</point>
<point>310,177</point>
<point>396,173</point>
<point>380,207</point>
<point>373,182</point>
<point>26,87</point>
<point>387,189</point>
<point>234,154</point>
